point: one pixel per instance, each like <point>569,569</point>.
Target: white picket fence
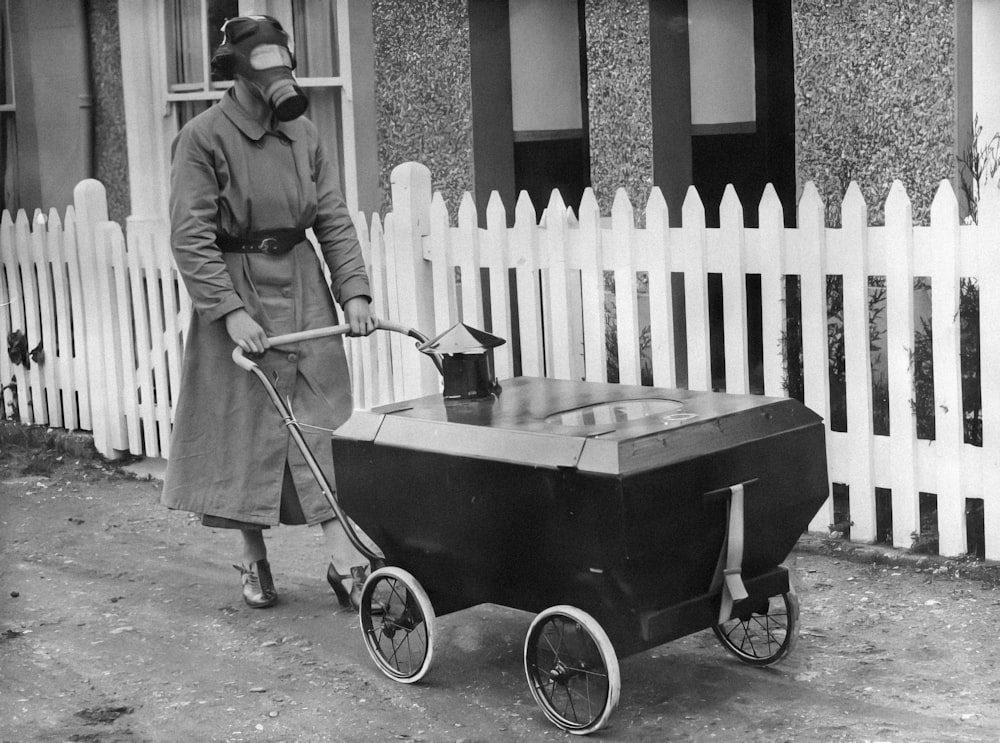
<point>112,315</point>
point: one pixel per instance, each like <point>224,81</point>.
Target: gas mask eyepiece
<point>256,49</point>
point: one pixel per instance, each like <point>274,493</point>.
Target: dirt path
<point>120,621</point>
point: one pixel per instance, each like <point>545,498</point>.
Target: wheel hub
<point>561,673</point>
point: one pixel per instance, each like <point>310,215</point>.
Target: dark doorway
<point>541,165</point>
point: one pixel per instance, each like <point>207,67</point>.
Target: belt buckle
<point>269,246</point>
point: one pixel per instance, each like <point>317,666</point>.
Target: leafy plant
<point>977,165</point>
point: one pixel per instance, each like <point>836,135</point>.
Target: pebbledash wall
<point>110,153</point>
<point>618,88</point>
<point>875,96</point>
<point>423,92</point>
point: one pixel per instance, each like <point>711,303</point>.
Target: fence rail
<point>585,297</point>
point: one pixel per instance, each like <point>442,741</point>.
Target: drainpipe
<point>86,116</point>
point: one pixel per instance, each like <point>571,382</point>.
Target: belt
<point>268,242</point>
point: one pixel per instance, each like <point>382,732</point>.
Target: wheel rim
<point>762,637</point>
<point>572,669</point>
<point>397,621</point>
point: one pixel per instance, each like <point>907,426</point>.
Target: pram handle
<point>293,427</point>
<point>307,335</point>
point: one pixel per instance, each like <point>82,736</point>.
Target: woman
<point>248,177</point>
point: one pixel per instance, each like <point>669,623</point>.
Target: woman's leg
<point>255,573</point>
<point>254,548</point>
<point>343,554</point>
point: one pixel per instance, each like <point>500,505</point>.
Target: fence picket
<point>661,302</point>
<point>9,299</point>
<point>105,270</point>
<point>46,322</point>
<point>772,290</point>
<point>30,393</point>
<point>62,349</point>
<point>142,418</point>
<point>592,289</point>
<point>74,282</point>
<point>383,366</point>
<point>626,288</point>
<point>734,292</point>
<point>898,345</point>
<point>362,350</point>
<point>988,239</point>
<point>558,336</point>
<point>411,198</point>
<point>699,372</point>
<point>91,208</point>
<point>496,257</point>
<point>111,236</point>
<point>525,236</point>
<point>857,363</point>
<point>815,353</point>
<point>442,258</point>
<point>470,262</point>
<point>948,415</point>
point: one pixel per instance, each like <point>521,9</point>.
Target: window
<point>8,134</point>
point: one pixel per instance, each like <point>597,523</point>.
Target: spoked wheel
<point>572,669</point>
<point>766,634</point>
<point>398,624</point>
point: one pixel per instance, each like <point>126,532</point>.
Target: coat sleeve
<point>335,232</point>
<point>194,206</point>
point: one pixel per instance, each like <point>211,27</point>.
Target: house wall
<point>875,98</point>
<point>110,146</point>
<point>618,88</point>
<point>52,96</point>
<point>423,92</point>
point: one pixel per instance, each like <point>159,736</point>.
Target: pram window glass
<point>613,412</point>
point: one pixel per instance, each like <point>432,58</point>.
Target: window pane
<point>187,110</point>
<point>315,34</point>
<point>193,33</point>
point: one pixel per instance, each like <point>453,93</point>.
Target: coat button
<point>293,357</point>
<point>286,293</point>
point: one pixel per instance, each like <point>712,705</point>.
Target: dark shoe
<point>348,599</point>
<point>258,585</point>
<point>336,581</point>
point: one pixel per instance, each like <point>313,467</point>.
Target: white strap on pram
<point>730,567</point>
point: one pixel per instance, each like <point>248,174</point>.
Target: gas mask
<point>256,48</point>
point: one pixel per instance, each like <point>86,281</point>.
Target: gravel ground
<point>121,621</point>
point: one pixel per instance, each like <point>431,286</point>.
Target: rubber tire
<point>407,609</point>
<point>538,677</point>
<point>737,636</point>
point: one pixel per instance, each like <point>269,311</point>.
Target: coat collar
<point>250,127</point>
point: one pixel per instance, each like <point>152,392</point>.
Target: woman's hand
<point>245,332</point>
<point>358,313</point>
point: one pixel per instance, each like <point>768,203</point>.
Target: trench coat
<point>229,447</point>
